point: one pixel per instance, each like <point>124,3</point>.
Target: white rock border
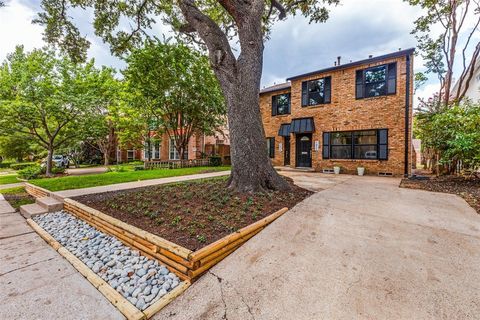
<point>142,281</point>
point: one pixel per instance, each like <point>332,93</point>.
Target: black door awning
<point>284,130</point>
<point>303,125</point>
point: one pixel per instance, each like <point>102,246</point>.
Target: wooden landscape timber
<point>187,265</point>
<point>35,191</point>
<point>115,298</point>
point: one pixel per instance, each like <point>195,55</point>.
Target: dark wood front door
<point>286,151</point>
<point>303,150</point>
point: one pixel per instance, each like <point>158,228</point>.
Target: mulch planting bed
<point>467,188</point>
<point>192,214</point>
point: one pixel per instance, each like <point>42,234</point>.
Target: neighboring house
<point>199,146</point>
<point>350,115</point>
<point>473,90</point>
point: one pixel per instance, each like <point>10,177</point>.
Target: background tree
<point>211,24</point>
<point>17,146</point>
<point>44,97</point>
<point>181,90</point>
<point>135,124</point>
<point>441,51</point>
<point>100,129</point>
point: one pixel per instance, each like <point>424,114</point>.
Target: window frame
<point>271,147</point>
<point>379,145</point>
<point>128,157</point>
<point>327,91</point>
<point>275,104</point>
<point>390,80</point>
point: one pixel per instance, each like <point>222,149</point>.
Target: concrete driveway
<point>361,249</point>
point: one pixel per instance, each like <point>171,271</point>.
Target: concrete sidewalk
<point>137,184</point>
<point>38,283</point>
<point>362,249</point>
<point>11,185</point>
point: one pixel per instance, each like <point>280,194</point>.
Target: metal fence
<point>174,164</point>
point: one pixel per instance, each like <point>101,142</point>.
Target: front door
<point>304,150</point>
<point>286,151</point>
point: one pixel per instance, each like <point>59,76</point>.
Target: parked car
<point>58,160</point>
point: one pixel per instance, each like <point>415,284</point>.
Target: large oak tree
<point>221,26</point>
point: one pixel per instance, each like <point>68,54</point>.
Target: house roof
<point>286,85</point>
<point>356,63</point>
<point>276,87</point>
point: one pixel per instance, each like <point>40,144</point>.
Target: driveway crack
<point>221,281</point>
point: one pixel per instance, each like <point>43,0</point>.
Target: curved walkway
<point>363,249</point>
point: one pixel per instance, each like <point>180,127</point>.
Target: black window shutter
<point>326,145</point>
<point>359,88</point>
<point>328,90</point>
<point>392,78</point>
<point>383,144</point>
<point>274,105</point>
<point>304,93</point>
<point>272,148</point>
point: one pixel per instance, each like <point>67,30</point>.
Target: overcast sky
<point>356,29</point>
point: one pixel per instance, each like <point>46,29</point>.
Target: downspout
<point>407,115</point>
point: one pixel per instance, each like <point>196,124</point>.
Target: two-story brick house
<point>351,115</point>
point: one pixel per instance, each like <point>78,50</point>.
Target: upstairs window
<point>316,91</point>
<point>376,81</point>
<point>281,104</point>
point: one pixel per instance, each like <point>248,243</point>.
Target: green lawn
<point>101,179</point>
<point>8,178</point>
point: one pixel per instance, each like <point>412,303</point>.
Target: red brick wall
<point>345,113</point>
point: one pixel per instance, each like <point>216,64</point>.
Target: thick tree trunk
<point>239,79</point>
<point>252,170</point>
<point>48,168</point>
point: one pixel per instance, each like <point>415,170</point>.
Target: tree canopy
<point>46,97</point>
<point>177,85</point>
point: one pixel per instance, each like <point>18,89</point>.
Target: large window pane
<point>341,152</point>
<point>365,137</point>
<point>375,89</point>
<point>366,152</point>
<point>376,74</point>
<point>316,91</point>
<point>341,138</point>
<point>283,102</point>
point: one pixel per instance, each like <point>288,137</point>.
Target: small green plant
<point>31,172</point>
<point>215,161</point>
<point>201,238</point>
<point>176,220</point>
<point>159,221</point>
<point>210,217</point>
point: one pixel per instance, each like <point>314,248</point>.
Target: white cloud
<point>16,28</point>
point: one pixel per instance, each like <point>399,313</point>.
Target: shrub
<point>215,161</point>
<point>138,168</point>
<point>22,165</point>
<point>5,164</point>
<point>58,170</point>
<point>31,172</point>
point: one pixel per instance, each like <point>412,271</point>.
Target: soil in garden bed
<point>192,214</point>
<point>467,188</point>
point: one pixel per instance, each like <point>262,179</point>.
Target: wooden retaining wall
<point>35,191</point>
<point>122,304</point>
<point>186,264</point>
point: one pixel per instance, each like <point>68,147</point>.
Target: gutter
<point>407,115</point>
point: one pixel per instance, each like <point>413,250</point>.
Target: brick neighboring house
<point>198,145</point>
<point>353,115</point>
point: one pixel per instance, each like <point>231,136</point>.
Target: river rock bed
<point>139,279</point>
